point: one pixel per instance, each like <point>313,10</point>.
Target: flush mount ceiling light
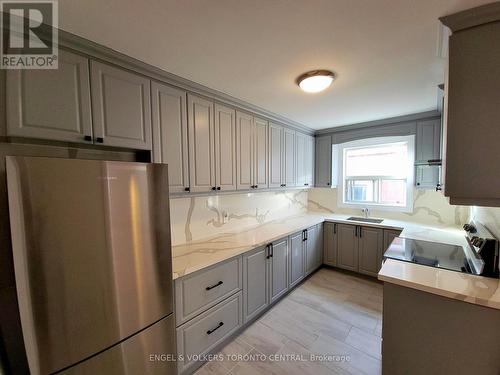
<point>315,80</point>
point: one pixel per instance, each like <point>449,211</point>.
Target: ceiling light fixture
<point>315,80</point>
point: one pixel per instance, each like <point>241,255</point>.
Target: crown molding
<point>472,17</point>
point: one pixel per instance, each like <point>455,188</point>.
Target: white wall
<point>430,207</point>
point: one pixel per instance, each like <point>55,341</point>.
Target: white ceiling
<point>383,51</point>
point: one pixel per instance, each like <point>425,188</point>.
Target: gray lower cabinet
<point>255,282</point>
<point>297,258</point>
<point>170,134</point>
<point>330,250</point>
<point>203,333</point>
<point>347,240</point>
<point>370,250</point>
<point>313,248</point>
<point>323,161</point>
<point>278,269</point>
<point>121,107</point>
<point>51,104</point>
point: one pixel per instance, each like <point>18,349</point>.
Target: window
<point>377,173</point>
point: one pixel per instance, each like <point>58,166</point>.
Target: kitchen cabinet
<point>330,243</point>
<point>201,133</point>
<point>255,282</point>
<point>275,155</point>
<point>472,173</point>
<point>304,159</point>
<point>297,257</point>
<point>428,177</point>
<point>51,104</point>
<point>313,248</point>
<point>251,150</point>
<point>170,134</point>
<point>278,265</point>
<point>288,157</point>
<point>370,250</point>
<point>389,235</point>
<point>323,161</point>
<point>347,237</point>
<point>225,148</point>
<point>121,107</point>
<point>428,141</point>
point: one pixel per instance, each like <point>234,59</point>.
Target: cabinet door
<point>289,157</point>
<point>330,243</point>
<point>428,142</point>
<point>324,161</point>
<point>309,161</point>
<point>255,283</point>
<point>275,155</point>
<point>300,159</point>
<point>370,247</point>
<point>313,249</point>
<point>297,257</point>
<point>121,107</point>
<point>261,154</point>
<point>427,176</point>
<point>201,144</point>
<point>347,247</point>
<point>225,148</point>
<point>279,269</point>
<point>319,245</point>
<point>389,235</point>
<point>244,151</point>
<point>170,134</point>
<point>51,104</point>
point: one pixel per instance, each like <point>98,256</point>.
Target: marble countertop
<point>196,255</point>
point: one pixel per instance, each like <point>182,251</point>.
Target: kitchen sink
<point>365,219</point>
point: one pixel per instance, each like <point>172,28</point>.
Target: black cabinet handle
<point>328,183</point>
<point>214,286</point>
<point>87,138</point>
<point>272,250</point>
<point>213,187</point>
<point>438,187</point>
<point>268,247</point>
<point>210,331</point>
<point>218,187</point>
<point>356,231</point>
<point>256,186</point>
<point>360,231</point>
<point>334,228</point>
<point>418,183</point>
<point>99,140</point>
<point>187,189</point>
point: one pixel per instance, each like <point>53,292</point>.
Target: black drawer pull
<point>87,138</point>
<point>99,140</point>
<point>214,286</point>
<point>218,187</point>
<point>210,331</point>
<point>187,189</point>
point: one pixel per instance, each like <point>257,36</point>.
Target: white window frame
<point>375,142</point>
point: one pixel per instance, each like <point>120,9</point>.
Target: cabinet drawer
<point>204,332</point>
<point>202,290</point>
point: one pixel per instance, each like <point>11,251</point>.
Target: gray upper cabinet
<point>279,281</point>
<point>245,151</point>
<point>170,134</point>
<point>347,247</point>
<point>289,157</point>
<point>323,161</point>
<point>309,160</point>
<point>225,147</point>
<point>428,141</point>
<point>201,144</point>
<point>261,154</point>
<point>300,159</point>
<point>370,248</point>
<point>275,155</point>
<point>51,104</point>
<point>330,243</point>
<point>121,107</point>
<point>297,258</point>
<point>255,282</point>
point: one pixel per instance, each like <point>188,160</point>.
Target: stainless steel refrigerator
<point>92,261</point>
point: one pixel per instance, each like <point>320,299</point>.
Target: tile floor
<point>333,313</point>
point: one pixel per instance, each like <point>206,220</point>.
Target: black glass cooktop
<point>427,253</point>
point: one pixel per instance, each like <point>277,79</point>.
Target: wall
<point>430,207</point>
<point>199,217</point>
<point>489,217</point>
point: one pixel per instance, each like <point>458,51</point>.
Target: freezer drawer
<point>150,352</point>
<point>200,335</point>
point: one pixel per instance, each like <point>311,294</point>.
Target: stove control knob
<point>466,227</point>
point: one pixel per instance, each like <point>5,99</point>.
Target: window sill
<point>376,207</point>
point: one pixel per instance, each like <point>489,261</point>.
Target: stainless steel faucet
<point>366,211</point>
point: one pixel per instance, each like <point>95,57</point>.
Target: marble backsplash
<point>489,217</point>
<point>430,207</point>
<point>200,217</point>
